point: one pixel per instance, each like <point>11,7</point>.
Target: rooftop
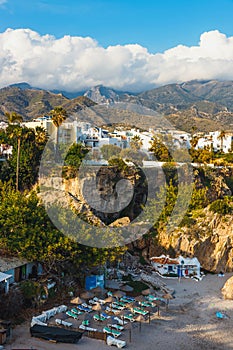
<point>165,260</point>
<point>7,264</point>
<point>4,276</point>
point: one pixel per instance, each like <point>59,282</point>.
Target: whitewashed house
<point>213,140</point>
<point>178,267</point>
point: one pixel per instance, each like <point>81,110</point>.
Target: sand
<point>189,323</point>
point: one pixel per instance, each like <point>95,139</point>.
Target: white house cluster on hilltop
<point>217,141</point>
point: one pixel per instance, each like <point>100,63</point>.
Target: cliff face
<point>108,193</point>
<point>209,237</point>
<point>210,240</point>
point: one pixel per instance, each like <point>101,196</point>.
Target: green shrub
<point>187,221</point>
<point>221,206</point>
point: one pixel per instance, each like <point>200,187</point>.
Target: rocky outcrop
<point>227,290</point>
<point>102,194</point>
<point>209,237</point>
<point>210,240</point>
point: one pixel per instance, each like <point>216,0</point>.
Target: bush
<point>33,292</point>
<point>221,206</point>
<point>187,221</point>
<point>12,304</point>
<point>109,151</point>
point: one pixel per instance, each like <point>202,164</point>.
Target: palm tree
<point>221,137</point>
<point>13,117</point>
<point>136,142</point>
<point>41,136</point>
<point>59,115</point>
<point>17,132</point>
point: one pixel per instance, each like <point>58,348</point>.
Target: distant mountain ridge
<point>103,94</point>
<point>206,104</point>
<point>31,103</point>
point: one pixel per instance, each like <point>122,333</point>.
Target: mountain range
<point>200,104</point>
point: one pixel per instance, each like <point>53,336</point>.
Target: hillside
<point>212,90</point>
<point>31,103</point>
<point>203,105</point>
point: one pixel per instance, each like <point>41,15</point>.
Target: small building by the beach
<point>13,269</point>
<point>176,267</point>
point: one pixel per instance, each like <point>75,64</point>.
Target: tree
<point>163,203</point>
<point>136,142</point>
<point>170,172</point>
<point>59,115</point>
<point>160,150</point>
<point>17,133</point>
<point>133,155</point>
<point>109,151</point>
<point>118,162</point>
<point>194,140</point>
<point>13,117</point>
<point>73,160</point>
<point>22,167</point>
<point>222,206</point>
<point>201,155</point>
<point>221,137</point>
<point>41,136</point>
<point>26,231</point>
<point>194,129</point>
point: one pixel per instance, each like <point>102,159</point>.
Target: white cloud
<point>3,2</point>
<point>76,63</point>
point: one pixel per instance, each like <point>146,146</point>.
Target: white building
<point>178,267</point>
<point>5,151</point>
<point>44,122</point>
<point>145,137</point>
<point>96,137</point>
<point>69,131</point>
<point>213,141</point>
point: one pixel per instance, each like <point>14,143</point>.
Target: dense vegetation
<point>165,151</point>
<point>25,228</point>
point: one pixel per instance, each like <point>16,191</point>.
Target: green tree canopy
<point>73,160</point>
<point>109,151</point>
<point>22,167</point>
<point>26,231</point>
<point>160,150</point>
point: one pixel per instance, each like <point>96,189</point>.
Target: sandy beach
<point>190,323</point>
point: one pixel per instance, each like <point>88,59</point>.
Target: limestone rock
<point>120,222</point>
<point>227,289</point>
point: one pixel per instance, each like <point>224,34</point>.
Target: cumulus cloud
<point>77,63</point>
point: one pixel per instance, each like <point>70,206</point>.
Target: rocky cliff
<point>207,234</point>
<point>210,240</point>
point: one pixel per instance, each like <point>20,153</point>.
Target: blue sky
<point>129,45</point>
<point>154,24</point>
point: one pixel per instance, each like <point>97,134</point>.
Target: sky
<point>128,45</point>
